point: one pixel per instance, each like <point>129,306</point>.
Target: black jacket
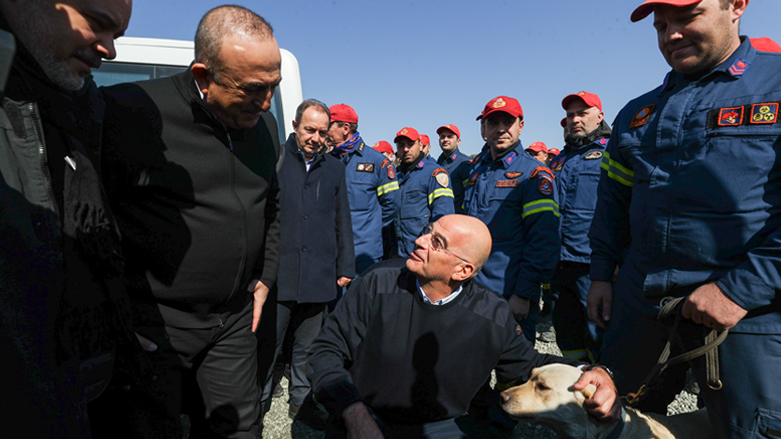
<point>317,235</point>
<point>197,203</point>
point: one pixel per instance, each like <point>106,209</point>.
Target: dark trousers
<point>577,336</point>
<point>210,373</point>
<point>304,321</point>
<point>748,405</point>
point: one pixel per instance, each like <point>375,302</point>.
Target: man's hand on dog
<point>708,305</point>
<point>359,423</point>
<point>604,404</point>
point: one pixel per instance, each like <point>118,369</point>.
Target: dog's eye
<point>541,386</point>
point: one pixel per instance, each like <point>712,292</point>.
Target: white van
<point>149,58</point>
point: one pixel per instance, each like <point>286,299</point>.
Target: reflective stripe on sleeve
<point>388,187</point>
<point>441,192</point>
<point>616,171</point>
<point>540,206</point>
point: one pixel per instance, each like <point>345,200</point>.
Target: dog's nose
<point>505,396</point>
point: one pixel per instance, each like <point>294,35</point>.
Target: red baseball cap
<point>538,147</point>
<point>564,123</point>
<point>765,45</point>
<point>343,113</point>
<point>450,127</point>
<point>410,133</point>
<point>647,7</point>
<point>425,140</point>
<point>589,99</point>
<point>504,104</point>
<point>383,146</point>
<point>554,151</point>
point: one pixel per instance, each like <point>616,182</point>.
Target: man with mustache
<point>191,163</point>
<point>514,194</point>
<point>688,206</point>
<point>577,176</point>
<point>64,320</point>
<point>425,193</point>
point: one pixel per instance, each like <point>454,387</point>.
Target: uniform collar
<point>450,158</point>
<point>735,67</point>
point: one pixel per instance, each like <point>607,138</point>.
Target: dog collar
<point>619,428</point>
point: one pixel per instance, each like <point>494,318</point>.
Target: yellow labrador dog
<point>548,399</point>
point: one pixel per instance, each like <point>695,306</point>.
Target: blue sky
<point>429,63</point>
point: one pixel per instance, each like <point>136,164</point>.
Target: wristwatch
<point>600,366</point>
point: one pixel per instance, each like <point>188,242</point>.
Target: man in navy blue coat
<point>316,251</point>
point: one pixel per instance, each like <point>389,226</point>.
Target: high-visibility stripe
<point>579,354</point>
<point>540,206</point>
<point>617,171</point>
<point>441,192</point>
<point>389,187</point>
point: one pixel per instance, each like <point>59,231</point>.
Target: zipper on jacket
<point>42,155</point>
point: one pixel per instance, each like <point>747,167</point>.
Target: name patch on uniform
<point>545,185</point>
<point>441,176</point>
<point>764,113</point>
<point>365,167</point>
<point>391,172</point>
<point>642,116</point>
<point>472,180</point>
<point>513,174</point>
<point>593,155</point>
<point>508,183</point>
<point>730,116</point>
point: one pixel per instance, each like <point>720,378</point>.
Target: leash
<point>713,339</point>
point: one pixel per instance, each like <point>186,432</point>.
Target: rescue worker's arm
<point>610,231</point>
<point>541,243</point>
<point>345,245</point>
<point>388,192</point>
<point>440,195</point>
<point>459,180</point>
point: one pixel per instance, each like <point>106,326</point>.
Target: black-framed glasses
<point>438,243</point>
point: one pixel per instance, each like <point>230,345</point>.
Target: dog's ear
<point>589,391</point>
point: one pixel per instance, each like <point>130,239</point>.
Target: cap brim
<point>646,8</point>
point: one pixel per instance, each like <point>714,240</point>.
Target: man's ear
<point>463,272</point>
<point>201,75</point>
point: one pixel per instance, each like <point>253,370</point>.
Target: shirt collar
<point>447,299</point>
<point>735,66</point>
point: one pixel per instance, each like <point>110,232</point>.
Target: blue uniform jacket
<point>316,236</point>
<point>515,197</point>
<point>577,177</point>
<point>691,184</point>
<point>373,192</point>
<point>424,199</point>
<point>451,161</point>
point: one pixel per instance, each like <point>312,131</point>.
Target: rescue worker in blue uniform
<point>455,162</point>
<point>372,188</point>
<point>689,195</point>
<point>577,176</point>
<point>425,189</point>
<point>514,195</point>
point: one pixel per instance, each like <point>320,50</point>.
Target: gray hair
<point>222,21</point>
<point>311,103</point>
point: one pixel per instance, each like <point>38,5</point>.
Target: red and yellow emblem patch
<point>593,155</point>
<point>391,172</point>
<point>730,116</point>
<point>642,116</point>
<point>764,113</point>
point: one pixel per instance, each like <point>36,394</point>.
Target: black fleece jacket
<point>197,203</point>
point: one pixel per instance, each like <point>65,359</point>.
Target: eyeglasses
<point>244,90</point>
<point>438,242</point>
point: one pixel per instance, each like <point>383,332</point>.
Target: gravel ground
<point>277,425</point>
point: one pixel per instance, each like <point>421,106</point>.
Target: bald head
<point>469,238</point>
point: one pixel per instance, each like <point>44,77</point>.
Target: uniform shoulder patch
<point>557,165</point>
<point>732,116</point>
<point>365,167</point>
<point>593,155</point>
<point>545,185</point>
<point>512,175</point>
<point>764,113</point>
<point>541,171</point>
<point>384,163</point>
<point>441,176</point>
<point>642,116</point>
<point>391,172</point>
